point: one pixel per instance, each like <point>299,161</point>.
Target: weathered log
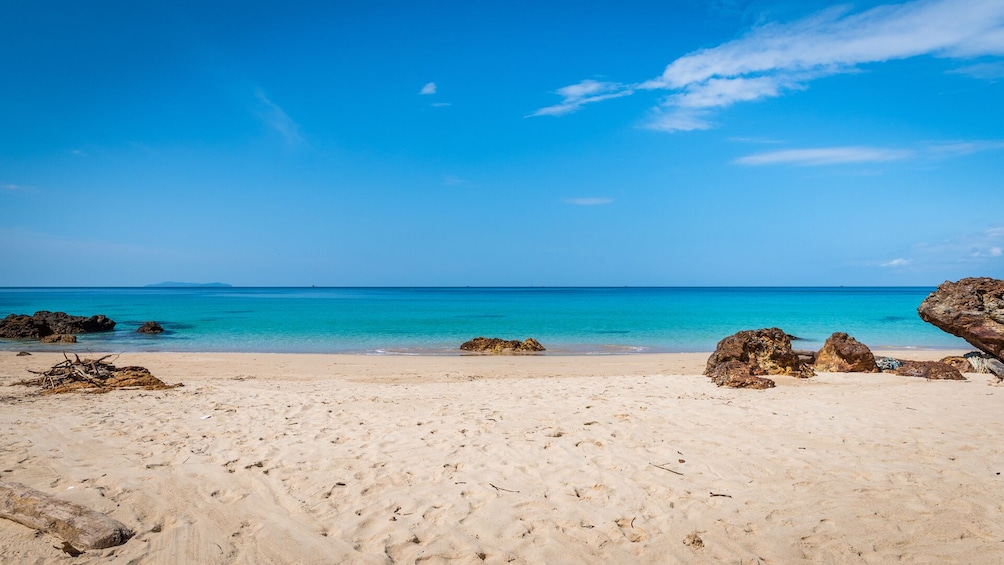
<point>81,527</point>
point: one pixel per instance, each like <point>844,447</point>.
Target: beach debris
<point>843,354</point>
<point>44,323</point>
<point>763,352</point>
<point>93,375</point>
<point>693,540</point>
<point>77,526</point>
<point>985,363</point>
<point>22,354</point>
<point>150,327</point>
<point>931,370</point>
<point>502,489</point>
<point>887,364</point>
<point>714,494</point>
<point>59,338</point>
<point>499,345</point>
<point>972,308</point>
<point>664,468</point>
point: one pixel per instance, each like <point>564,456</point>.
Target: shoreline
<point>321,458</point>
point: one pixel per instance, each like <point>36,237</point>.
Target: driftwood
<point>92,375</point>
<point>77,525</point>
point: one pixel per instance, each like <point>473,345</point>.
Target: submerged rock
<point>972,309</point>
<point>843,354</point>
<point>59,338</point>
<point>498,345</point>
<point>150,328</point>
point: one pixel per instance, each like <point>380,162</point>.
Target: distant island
<point>172,284</point>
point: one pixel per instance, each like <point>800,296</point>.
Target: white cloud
<point>981,247</point>
<point>270,113</point>
<point>825,156</point>
<point>10,187</point>
<point>589,201</point>
<point>429,88</point>
<point>776,58</point>
<point>440,104</point>
<point>896,263</point>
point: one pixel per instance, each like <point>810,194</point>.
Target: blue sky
<point>501,143</point>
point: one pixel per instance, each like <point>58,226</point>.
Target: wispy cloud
<point>820,156</point>
<point>440,104</point>
<point>586,92</point>
<point>776,58</point>
<point>11,187</point>
<point>825,156</point>
<point>275,117</point>
<point>972,248</point>
<point>589,201</point>
<point>984,71</point>
<point>429,88</point>
<point>451,180</point>
<point>896,263</point>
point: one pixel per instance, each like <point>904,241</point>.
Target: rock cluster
<point>498,345</point>
<point>741,359</point>
<point>44,323</point>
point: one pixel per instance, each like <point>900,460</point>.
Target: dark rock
<point>59,338</point>
<point>44,323</point>
<point>63,323</point>
<point>150,328</point>
<point>843,354</point>
<point>497,345</point>
<point>972,309</point>
<point>22,326</point>
<point>887,363</point>
<point>22,354</point>
<point>736,374</point>
<point>766,351</point>
<point>929,370</point>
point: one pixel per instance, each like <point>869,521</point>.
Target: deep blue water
<point>438,320</point>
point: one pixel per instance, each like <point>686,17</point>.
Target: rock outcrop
<point>763,352</point>
<point>843,354</point>
<point>498,345</point>
<point>972,309</point>
<point>932,370</point>
<point>44,323</point>
<point>150,328</point>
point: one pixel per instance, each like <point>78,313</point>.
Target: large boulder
<point>44,323</point>
<point>843,354</point>
<point>498,345</point>
<point>766,352</point>
<point>972,309</point>
<point>932,370</point>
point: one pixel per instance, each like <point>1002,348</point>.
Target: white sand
<point>353,459</point>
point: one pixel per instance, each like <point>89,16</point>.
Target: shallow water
<point>438,320</point>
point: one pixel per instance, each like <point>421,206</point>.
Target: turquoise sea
<point>438,320</point>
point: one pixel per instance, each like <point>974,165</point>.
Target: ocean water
<point>438,320</point>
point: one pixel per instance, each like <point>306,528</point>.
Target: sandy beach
<point>270,458</point>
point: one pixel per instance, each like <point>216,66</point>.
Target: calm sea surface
<point>438,320</point>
